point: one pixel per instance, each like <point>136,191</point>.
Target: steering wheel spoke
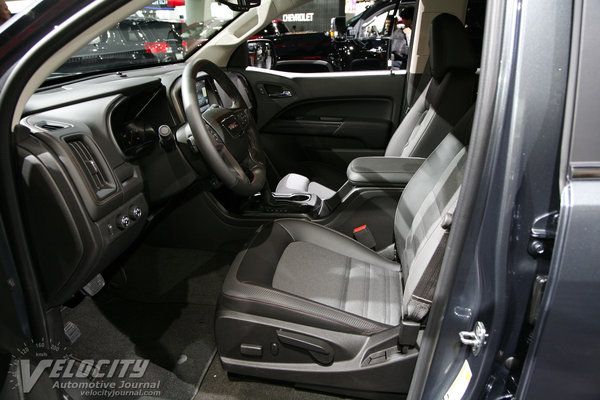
<point>233,164</point>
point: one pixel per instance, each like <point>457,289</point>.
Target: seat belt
<point>413,95</point>
<point>422,297</point>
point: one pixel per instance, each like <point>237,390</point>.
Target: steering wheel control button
<point>123,221</point>
<point>242,118</point>
<point>215,134</point>
<point>135,212</point>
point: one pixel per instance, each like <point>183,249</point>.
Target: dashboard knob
<point>164,130</point>
<point>165,136</point>
<point>135,212</point>
<point>123,221</point>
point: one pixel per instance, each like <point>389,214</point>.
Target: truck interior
<point>252,232</point>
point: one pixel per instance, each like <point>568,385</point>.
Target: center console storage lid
<point>382,171</point>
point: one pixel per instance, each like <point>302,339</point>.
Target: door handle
<point>281,94</point>
<point>275,91</point>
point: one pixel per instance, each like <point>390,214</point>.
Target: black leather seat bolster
<point>383,171</point>
<point>248,286</point>
<point>453,95</point>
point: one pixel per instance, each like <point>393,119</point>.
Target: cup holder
<point>302,197</point>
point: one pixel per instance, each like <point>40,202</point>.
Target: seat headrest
<point>450,47</point>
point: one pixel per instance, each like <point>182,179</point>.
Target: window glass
<point>328,35</point>
<point>164,31</point>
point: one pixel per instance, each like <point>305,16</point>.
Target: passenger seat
<point>307,304</point>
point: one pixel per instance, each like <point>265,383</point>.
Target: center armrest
<point>386,171</point>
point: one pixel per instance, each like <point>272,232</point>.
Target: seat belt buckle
<point>363,235</point>
<point>409,332</point>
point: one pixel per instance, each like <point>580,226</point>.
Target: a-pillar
<point>197,11</point>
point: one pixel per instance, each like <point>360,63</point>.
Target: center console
<point>370,175</point>
<point>267,202</point>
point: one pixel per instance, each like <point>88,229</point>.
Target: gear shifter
<point>267,195</point>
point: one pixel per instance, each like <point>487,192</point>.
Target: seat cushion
<point>301,272</point>
<point>358,287</point>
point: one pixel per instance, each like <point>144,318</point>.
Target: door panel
<point>328,118</point>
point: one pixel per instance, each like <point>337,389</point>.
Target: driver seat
<point>447,97</point>
<point>306,304</point>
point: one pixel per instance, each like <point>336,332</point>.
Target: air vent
<point>52,126</point>
<point>90,167</point>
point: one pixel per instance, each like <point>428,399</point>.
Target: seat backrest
<point>428,197</point>
<point>449,94</point>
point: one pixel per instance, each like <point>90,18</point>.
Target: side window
<point>375,27</point>
<point>323,36</point>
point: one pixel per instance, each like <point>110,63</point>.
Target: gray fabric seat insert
<point>371,290</point>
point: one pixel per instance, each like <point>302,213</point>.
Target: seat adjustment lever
<point>319,349</point>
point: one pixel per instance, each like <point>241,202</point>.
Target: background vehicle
<point>196,34</point>
<point>276,27</point>
<point>130,42</point>
<point>361,44</point>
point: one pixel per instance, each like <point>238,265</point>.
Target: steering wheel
<point>226,137</point>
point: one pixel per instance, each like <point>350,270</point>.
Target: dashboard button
<point>135,212</point>
<point>123,221</point>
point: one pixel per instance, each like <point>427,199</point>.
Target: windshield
<point>165,31</point>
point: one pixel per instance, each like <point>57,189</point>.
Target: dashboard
<point>96,165</point>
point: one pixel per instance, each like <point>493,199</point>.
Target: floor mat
<point>163,311</point>
<point>218,386</point>
<point>173,275</point>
